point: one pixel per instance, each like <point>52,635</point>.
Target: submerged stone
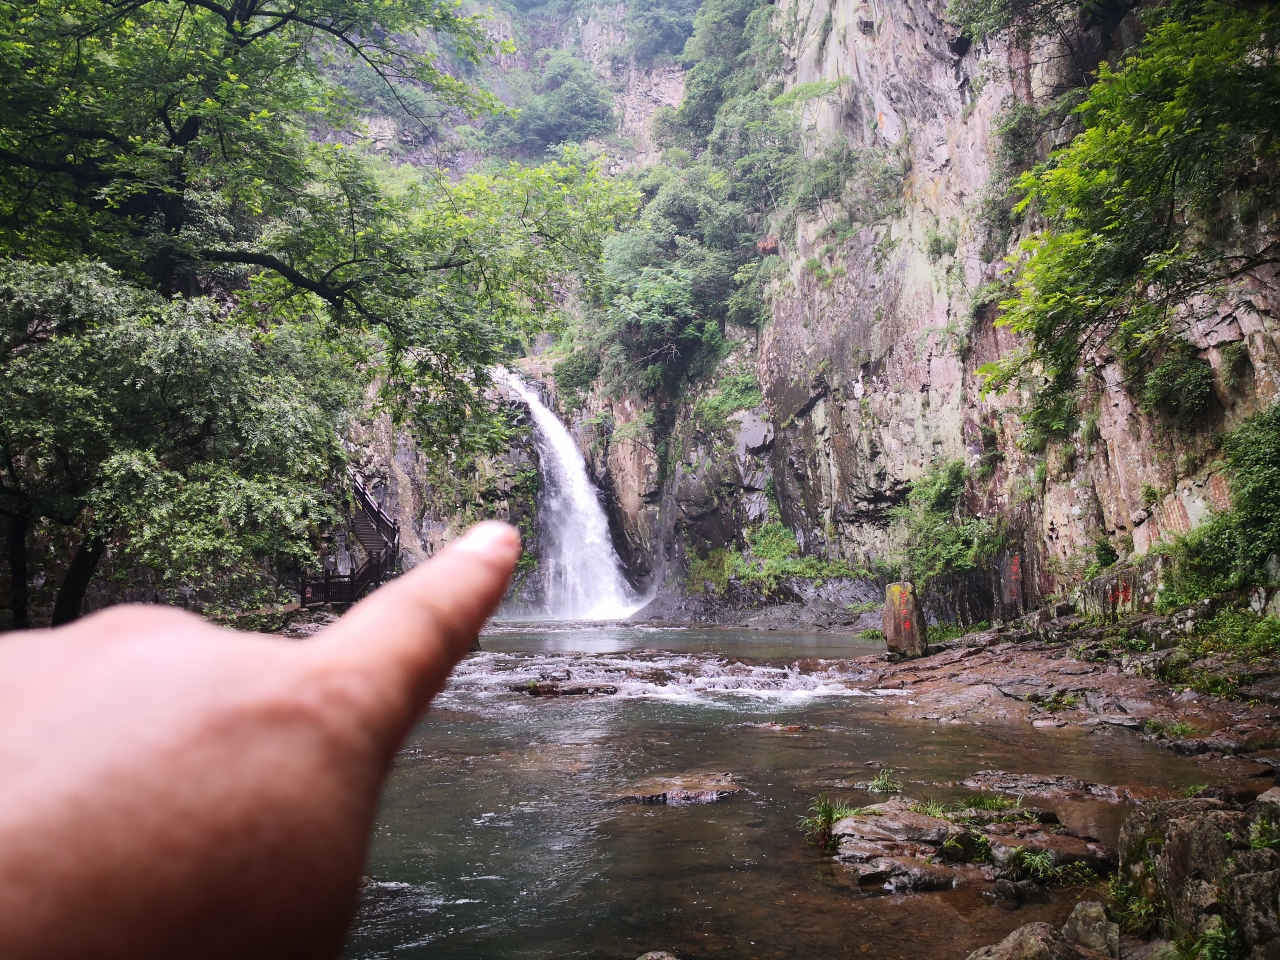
<point>679,791</point>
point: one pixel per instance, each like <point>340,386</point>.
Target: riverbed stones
<point>1088,926</point>
<point>1063,848</point>
<point>682,790</point>
<point>903,622</point>
<point>553,688</point>
<point>1035,941</point>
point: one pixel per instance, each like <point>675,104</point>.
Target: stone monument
<point>903,622</point>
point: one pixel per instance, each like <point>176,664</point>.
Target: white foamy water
<point>705,678</point>
<point>582,575</point>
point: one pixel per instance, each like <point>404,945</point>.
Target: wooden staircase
<point>378,534</point>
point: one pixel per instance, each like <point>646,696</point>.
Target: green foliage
<point>201,444</point>
<point>1219,942</point>
<point>823,815</point>
<point>734,392</point>
<point>576,373</point>
<point>942,632</point>
<point>1264,834</point>
<point>1178,149</point>
<point>658,27</point>
<point>939,536</point>
<point>1025,19</point>
<point>1061,700</point>
<point>1180,385</point>
<point>988,801</point>
<point>710,574</point>
<point>195,168</point>
<point>734,169</point>
<point>1230,550</point>
<point>195,149</point>
<point>567,104</point>
<point>1235,363</point>
<point>1135,913</point>
<point>884,782</point>
<point>931,808</point>
<point>1026,865</point>
<point>774,555</point>
<point>1171,730</point>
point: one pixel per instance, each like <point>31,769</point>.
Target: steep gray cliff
<point>870,358</point>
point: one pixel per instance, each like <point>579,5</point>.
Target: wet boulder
<point>1251,896</point>
<point>1212,867</point>
<point>1036,941</point>
<point>1088,926</point>
<point>1143,834</point>
<point>1197,854</point>
<point>1021,891</point>
<point>681,791</point>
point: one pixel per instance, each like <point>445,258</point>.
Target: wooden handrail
<point>378,565</point>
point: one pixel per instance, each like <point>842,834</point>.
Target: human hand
<point>170,789</point>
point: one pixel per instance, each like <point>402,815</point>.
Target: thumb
<point>399,644</point>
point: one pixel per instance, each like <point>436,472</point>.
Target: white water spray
<point>582,575</point>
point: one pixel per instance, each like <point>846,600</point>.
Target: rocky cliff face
<point>870,361</point>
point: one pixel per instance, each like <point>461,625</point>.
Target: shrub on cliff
<point>1231,550</point>
<point>1177,157</point>
<point>938,534</point>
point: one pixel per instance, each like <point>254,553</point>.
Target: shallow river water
<point>500,834</point>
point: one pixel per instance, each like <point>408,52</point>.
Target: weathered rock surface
<point>1208,866</point>
<point>680,791</point>
<point>896,845</point>
<point>1089,927</point>
<point>903,623</point>
<point>1036,941</point>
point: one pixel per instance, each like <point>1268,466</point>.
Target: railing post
<point>326,584</point>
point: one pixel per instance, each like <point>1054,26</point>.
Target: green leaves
<point>199,445</point>
<point>1155,202</point>
<point>938,534</point>
<point>153,152</point>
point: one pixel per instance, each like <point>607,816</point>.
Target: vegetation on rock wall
<point>938,533</point>
<point>1231,550</point>
<point>564,103</point>
<point>1159,199</point>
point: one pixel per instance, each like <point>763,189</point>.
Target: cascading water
<point>582,575</point>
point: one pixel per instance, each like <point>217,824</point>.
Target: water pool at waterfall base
<point>504,830</point>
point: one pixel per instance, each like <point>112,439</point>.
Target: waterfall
<point>582,576</point>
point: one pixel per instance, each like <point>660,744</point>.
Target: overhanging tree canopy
<point>199,149</point>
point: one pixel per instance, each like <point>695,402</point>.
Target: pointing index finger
<point>406,637</point>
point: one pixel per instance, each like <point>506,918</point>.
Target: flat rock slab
<point>680,791</point>
<point>893,821</point>
<point>552,688</point>
<point>1062,848</point>
<point>1052,787</point>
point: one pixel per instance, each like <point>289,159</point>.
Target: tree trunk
<point>76,582</point>
<point>19,525</point>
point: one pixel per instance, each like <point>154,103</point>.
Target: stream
<point>500,832</point>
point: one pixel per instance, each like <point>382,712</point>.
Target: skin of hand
<point>170,789</point>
